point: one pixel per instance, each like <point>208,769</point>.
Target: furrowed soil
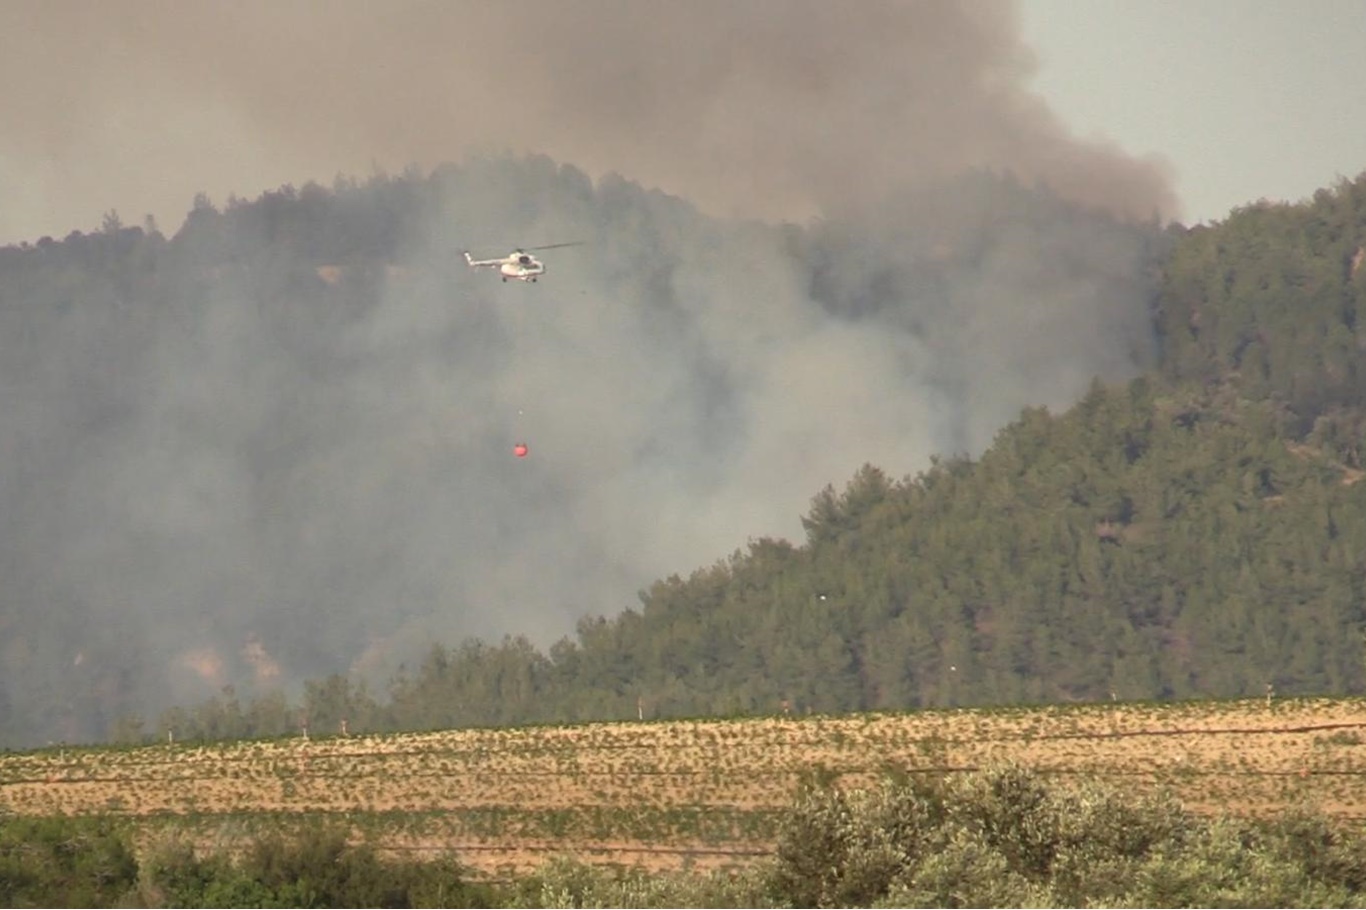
<point>675,794</point>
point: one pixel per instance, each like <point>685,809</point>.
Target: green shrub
<point>1007,836</point>
<point>317,869</point>
<point>64,862</point>
<point>842,848</point>
<point>568,883</point>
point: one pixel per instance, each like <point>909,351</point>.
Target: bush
<point>319,869</point>
<point>1008,837</point>
<point>64,862</point>
<point>842,848</point>
<point>566,882</point>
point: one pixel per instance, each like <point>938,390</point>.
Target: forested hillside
<point>276,444</point>
<point>1198,531</point>
<point>222,471</point>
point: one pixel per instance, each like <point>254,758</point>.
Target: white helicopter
<point>518,264</point>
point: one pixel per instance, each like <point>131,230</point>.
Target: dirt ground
<point>696,794</point>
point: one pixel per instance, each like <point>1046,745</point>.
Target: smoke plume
<point>246,484</point>
<point>767,108</point>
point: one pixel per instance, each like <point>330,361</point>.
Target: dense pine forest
<point>1196,530</point>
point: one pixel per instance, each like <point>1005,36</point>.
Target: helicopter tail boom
<point>471,261</point>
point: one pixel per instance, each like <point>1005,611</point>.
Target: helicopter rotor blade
<point>553,246</point>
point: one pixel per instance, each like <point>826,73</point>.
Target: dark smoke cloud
<point>230,489</point>
<point>774,109</point>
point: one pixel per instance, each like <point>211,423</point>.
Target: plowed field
<point>675,793</point>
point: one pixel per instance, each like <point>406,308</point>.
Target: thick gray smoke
<point>772,108</point>
<point>230,486</point>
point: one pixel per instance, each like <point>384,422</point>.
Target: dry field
<point>684,793</point>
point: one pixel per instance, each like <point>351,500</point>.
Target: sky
<point>1246,98</point>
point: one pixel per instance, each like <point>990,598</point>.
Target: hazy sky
<point>1246,98</point>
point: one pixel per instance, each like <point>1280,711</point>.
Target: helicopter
<point>518,264</point>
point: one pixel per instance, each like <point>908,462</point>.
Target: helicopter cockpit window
<point>524,260</point>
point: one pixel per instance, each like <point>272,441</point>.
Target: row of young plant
<point>1004,721</point>
<point>644,748</point>
<point>1006,836</point>
<point>568,743</point>
<point>1310,749</point>
<point>662,828</point>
